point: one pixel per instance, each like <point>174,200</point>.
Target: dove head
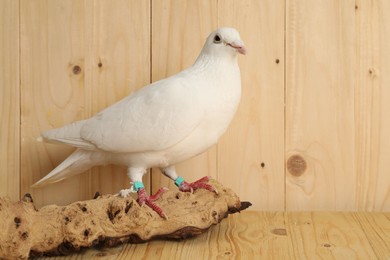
<point>224,41</point>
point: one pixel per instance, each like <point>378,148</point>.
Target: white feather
<point>163,123</point>
<point>78,162</point>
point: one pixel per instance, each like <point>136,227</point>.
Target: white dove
<point>164,123</point>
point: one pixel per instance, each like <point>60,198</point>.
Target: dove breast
<point>211,101</point>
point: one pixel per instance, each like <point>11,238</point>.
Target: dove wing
<point>153,118</point>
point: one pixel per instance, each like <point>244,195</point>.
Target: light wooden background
<point>316,84</point>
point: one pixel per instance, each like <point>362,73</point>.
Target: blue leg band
<point>179,181</point>
<point>138,185</point>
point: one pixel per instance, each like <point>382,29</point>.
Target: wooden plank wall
<point>9,98</point>
<point>78,57</point>
<point>312,131</point>
<point>337,110</point>
<point>320,83</point>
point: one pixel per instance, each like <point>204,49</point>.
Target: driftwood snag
<point>107,220</point>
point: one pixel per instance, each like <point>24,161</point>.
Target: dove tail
<point>68,134</point>
<point>78,162</point>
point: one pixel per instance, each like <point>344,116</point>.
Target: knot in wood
<point>296,165</point>
<point>76,69</point>
<point>27,198</point>
<point>279,231</point>
<point>373,72</point>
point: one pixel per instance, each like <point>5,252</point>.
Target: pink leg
<point>199,184</point>
<point>158,194</point>
<point>144,198</point>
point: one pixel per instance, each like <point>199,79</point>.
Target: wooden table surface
<point>270,235</point>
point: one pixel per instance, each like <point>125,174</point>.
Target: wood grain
<point>74,66</point>
<point>315,87</point>
<point>376,227</point>
<point>118,58</point>
<point>179,29</point>
<point>251,154</point>
<point>328,235</point>
<point>372,104</point>
<point>271,235</point>
<point>9,99</point>
<point>52,92</point>
<point>320,82</point>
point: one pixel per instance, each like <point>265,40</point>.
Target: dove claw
<point>124,193</point>
<point>199,184</point>
<point>145,199</point>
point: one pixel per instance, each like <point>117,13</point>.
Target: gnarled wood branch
<point>109,220</point>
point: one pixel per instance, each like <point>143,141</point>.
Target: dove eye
<point>217,39</point>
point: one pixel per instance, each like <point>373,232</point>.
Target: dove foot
<point>199,184</point>
<point>144,198</point>
<point>124,193</point>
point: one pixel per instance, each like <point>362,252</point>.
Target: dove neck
<point>205,60</point>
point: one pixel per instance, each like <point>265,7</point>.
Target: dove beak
<point>239,46</point>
